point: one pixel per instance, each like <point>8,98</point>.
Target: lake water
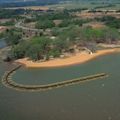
<point>93,100</point>
<point>2,43</point>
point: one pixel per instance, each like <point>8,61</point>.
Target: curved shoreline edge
<point>79,58</point>
<point>8,82</point>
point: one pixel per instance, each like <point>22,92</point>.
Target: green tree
<point>45,24</point>
<point>39,47</point>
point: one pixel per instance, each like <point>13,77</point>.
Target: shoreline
<point>79,58</point>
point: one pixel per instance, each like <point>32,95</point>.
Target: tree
<point>18,51</point>
<point>65,23</point>
<point>110,21</point>
<point>39,47</point>
<point>61,44</point>
<point>12,36</point>
<point>34,52</point>
<point>45,24</point>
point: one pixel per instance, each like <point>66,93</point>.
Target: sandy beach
<point>79,58</point>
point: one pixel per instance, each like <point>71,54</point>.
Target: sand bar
<point>79,58</point>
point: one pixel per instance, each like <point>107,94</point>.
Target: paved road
<point>19,25</point>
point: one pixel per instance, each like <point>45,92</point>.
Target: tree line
<point>44,47</point>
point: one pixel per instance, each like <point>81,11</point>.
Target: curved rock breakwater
<point>8,82</point>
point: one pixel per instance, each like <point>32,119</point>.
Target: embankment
<point>8,82</point>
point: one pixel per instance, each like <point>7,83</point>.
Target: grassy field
<point>58,6</point>
<point>84,5</point>
<point>31,7</point>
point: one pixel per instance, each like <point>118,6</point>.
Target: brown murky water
<point>93,100</point>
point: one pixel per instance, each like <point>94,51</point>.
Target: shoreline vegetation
<point>78,58</point>
<point>58,37</point>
